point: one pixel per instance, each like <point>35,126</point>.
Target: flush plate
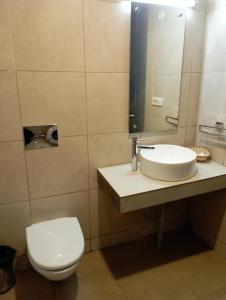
<point>36,137</point>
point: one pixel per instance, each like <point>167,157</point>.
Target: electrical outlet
<point>158,101</point>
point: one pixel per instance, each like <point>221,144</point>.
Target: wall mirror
<point>157,44</point>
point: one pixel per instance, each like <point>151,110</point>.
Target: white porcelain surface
<point>168,162</point>
<point>55,245</point>
<point>54,275</point>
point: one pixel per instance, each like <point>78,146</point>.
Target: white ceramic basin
<point>168,162</point>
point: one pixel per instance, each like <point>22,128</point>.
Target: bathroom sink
<point>168,162</point>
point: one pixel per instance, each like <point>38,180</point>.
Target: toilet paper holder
<point>36,137</point>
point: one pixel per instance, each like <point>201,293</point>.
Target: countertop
<point>132,190</point>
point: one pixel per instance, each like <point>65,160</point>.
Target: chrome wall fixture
<point>36,137</point>
<point>171,120</point>
<point>218,130</point>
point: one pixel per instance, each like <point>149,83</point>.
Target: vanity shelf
<point>132,191</point>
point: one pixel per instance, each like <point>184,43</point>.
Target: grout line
<point>25,157</point>
<point>66,71</point>
<point>49,71</point>
<point>14,202</point>
<point>184,280</point>
<point>70,136</point>
<point>121,288</point>
<point>87,121</point>
<point>108,133</point>
<point>55,195</point>
<point>188,108</point>
<point>11,141</point>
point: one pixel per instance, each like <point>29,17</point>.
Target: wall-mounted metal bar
<point>171,120</point>
<point>218,130</point>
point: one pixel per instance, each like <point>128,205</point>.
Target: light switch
<point>158,101</point>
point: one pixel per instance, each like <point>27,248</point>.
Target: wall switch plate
<point>37,137</point>
<point>158,101</point>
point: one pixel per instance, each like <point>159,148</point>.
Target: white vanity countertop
<point>132,190</point>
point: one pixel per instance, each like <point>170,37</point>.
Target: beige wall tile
<point>215,4</point>
<point>221,220</point>
<point>216,149</point>
<point>10,122</point>
<point>194,99</point>
<point>194,38</point>
<point>217,153</point>
<point>199,26</point>
<point>48,35</point>
<point>14,218</point>
<point>54,98</point>
<point>115,239</point>
<point>200,5</point>
<point>222,231</point>
<point>70,205</point>
<point>225,158</point>
<point>107,35</point>
<point>13,178</point>
<point>108,102</point>
<point>215,42</point>
<point>212,100</point>
<point>204,212</point>
<point>191,136</point>
<point>175,136</point>
<point>59,170</point>
<point>187,58</point>
<point>184,99</point>
<point>106,150</point>
<point>6,44</point>
<point>105,218</point>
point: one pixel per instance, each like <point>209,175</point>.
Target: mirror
<point>157,44</point>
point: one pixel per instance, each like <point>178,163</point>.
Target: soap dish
<point>202,153</point>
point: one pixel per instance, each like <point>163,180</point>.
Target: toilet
<point>55,247</point>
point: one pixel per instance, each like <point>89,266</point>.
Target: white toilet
<point>55,247</point>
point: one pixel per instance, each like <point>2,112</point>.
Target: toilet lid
<point>55,244</point>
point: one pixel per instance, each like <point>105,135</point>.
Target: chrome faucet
<point>136,148</point>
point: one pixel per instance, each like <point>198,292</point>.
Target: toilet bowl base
<point>54,275</point>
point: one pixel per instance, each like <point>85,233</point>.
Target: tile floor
<point>185,268</point>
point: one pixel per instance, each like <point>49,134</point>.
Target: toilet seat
<point>55,245</point>
<point>54,275</point>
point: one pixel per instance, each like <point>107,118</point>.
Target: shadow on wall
<point>208,216</point>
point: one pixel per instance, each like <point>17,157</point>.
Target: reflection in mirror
<point>157,43</point>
